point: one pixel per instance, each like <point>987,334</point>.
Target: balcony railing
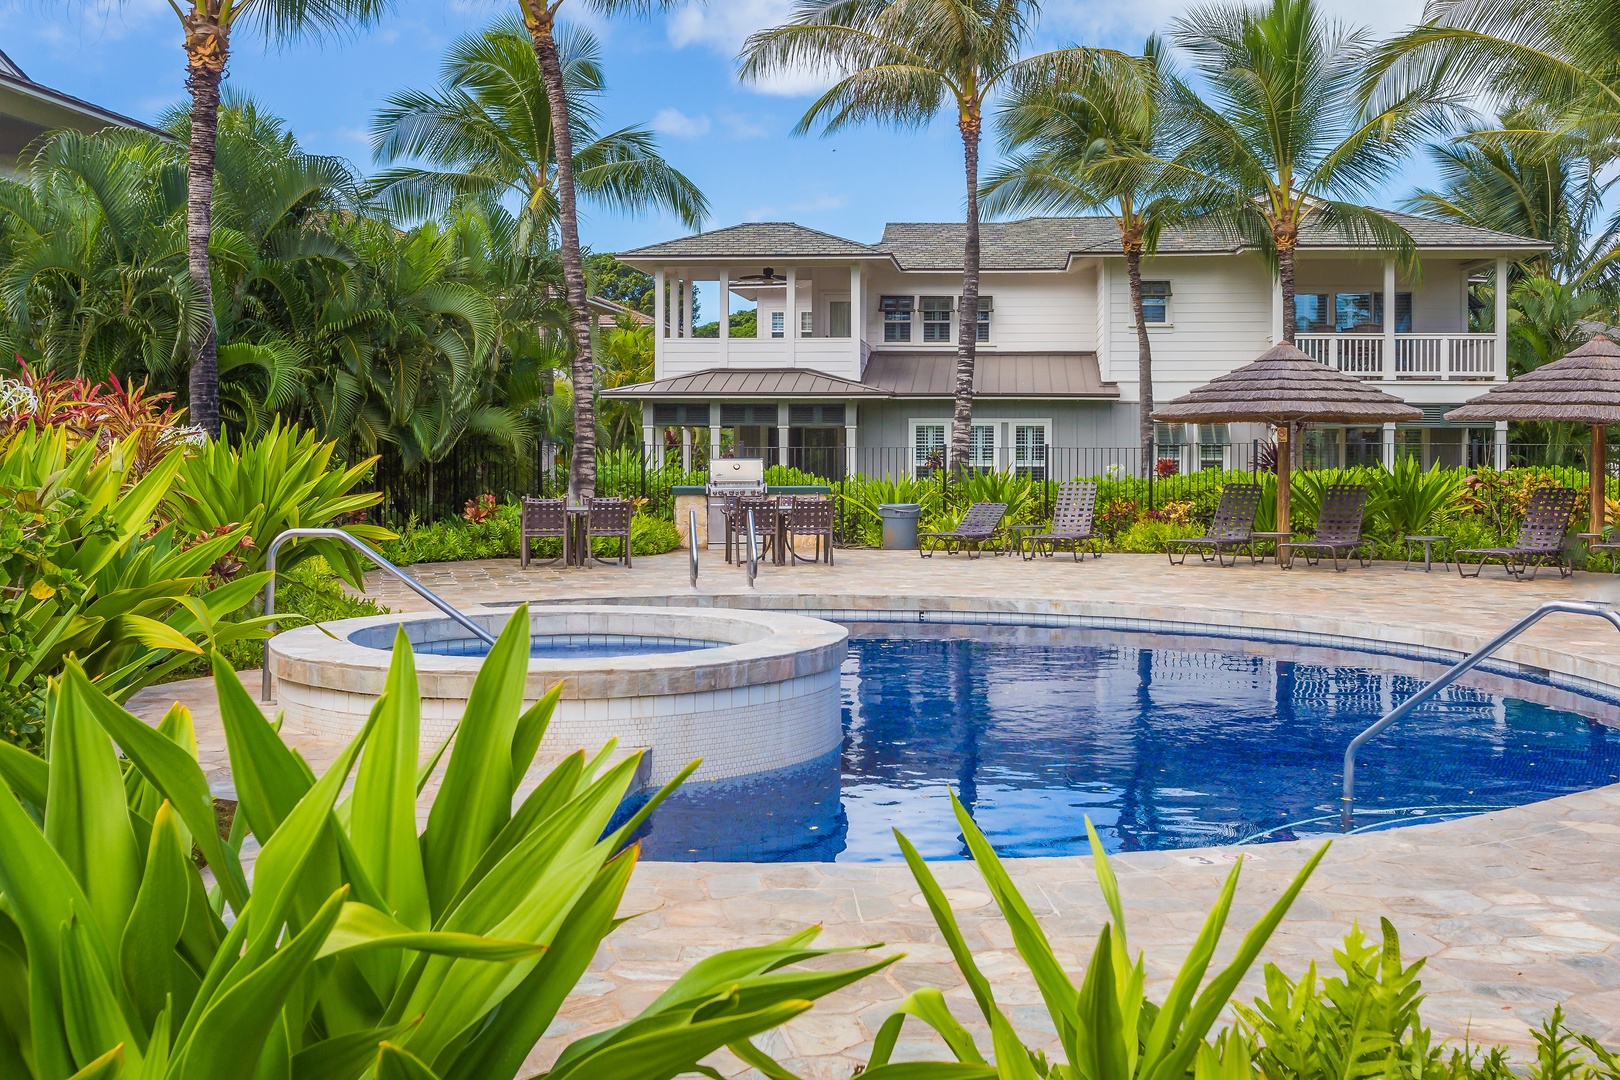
<point>1432,357</point>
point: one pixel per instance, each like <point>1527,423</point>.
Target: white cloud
<point>793,210</point>
<point>739,126</point>
<point>1126,25</point>
<point>722,28</point>
<point>676,123</point>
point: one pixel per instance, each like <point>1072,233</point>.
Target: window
<point>1353,312</point>
<point>1156,302</point>
<point>838,318</point>
<point>1403,311</point>
<point>1029,450</point>
<point>928,442</point>
<point>807,324</point>
<point>982,446</point>
<point>1311,313</point>
<point>985,305</point>
<point>936,318</point>
<point>896,318</point>
<point>778,324</point>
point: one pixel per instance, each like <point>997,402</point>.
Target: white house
<point>29,109</point>
<point>852,363</point>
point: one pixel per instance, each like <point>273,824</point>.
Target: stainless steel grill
<point>736,476</point>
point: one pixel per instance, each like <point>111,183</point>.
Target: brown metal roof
<point>1582,388</point>
<point>1286,385</point>
<point>748,383</point>
<point>995,374</point>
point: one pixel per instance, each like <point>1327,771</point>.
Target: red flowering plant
<point>479,510</point>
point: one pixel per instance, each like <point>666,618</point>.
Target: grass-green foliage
<point>862,495</point>
<point>1360,1023</point>
<point>87,570</point>
<point>363,946</point>
<point>496,537</point>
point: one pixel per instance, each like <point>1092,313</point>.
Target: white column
<point>1276,312</point>
<point>1389,320</point>
<point>849,438</point>
<point>714,429</point>
<point>686,449</point>
<point>725,319</point>
<point>1501,445</point>
<point>1389,447</point>
<point>857,319</point>
<point>1500,327</point>
<point>659,320</point>
<point>790,326</point>
<point>657,446</point>
<point>686,307</point>
<point>1104,324</point>
<point>782,410</point>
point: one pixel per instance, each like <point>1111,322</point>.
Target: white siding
<point>1054,312</point>
<point>1221,319</point>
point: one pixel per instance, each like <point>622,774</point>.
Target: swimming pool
<point>1164,743</point>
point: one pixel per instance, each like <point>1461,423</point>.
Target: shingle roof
<point>1046,243</point>
<point>748,382</point>
<point>754,241</point>
<point>1014,375</point>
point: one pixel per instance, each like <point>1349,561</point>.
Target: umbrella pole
<point>1600,478</point>
<point>1285,457</point>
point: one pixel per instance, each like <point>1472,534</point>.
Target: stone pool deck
<point>1516,910</point>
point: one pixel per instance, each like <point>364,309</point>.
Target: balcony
<point>1418,357</point>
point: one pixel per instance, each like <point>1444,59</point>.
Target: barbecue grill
<point>729,477</point>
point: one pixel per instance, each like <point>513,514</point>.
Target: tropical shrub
<point>861,496</point>
<point>1021,493</point>
<point>108,414</point>
<point>1411,502</point>
<point>1107,1026</point>
<point>361,947</point>
<point>85,572</point>
<point>282,480</point>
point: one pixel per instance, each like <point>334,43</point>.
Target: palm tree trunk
<point>1144,351</point>
<point>1285,275</point>
<point>206,49</point>
<point>967,331</point>
<point>582,474</point>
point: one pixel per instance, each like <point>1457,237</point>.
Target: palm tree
<point>208,25</point>
<point>1281,128</point>
<point>1516,176</point>
<point>1077,146</point>
<point>512,103</point>
<point>902,62</point>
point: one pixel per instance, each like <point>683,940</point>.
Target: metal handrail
<point>369,552</point>
<point>1451,675</point>
<point>753,552</point>
<point>692,542</point>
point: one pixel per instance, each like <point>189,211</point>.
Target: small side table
<point>1428,543</point>
<point>1016,539</point>
<point>1279,540</point>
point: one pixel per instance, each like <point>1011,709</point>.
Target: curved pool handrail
<point>375,556</point>
<point>692,542</point>
<point>1451,675</point>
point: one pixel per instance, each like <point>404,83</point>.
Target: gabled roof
<point>755,241</point>
<point>28,110</point>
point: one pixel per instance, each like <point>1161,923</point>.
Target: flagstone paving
<point>1516,910</point>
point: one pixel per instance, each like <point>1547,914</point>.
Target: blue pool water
<point>573,646</point>
<point>1163,745</point>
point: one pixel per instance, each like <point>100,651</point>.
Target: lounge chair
<point>1071,522</point>
<point>608,519</point>
<point>542,519</point>
<point>977,528</point>
<point>1540,539</point>
<point>1231,529</point>
<point>1338,529</point>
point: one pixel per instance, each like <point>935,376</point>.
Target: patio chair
<point>1338,529</point>
<point>542,519</point>
<point>977,528</point>
<point>765,509</point>
<point>608,519</point>
<point>810,517</point>
<point>1540,540</point>
<point>1230,530</point>
<point>1071,522</point>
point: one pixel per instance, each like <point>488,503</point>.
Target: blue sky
<point>674,72</point>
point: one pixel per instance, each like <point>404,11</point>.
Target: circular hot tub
<point>746,691</point>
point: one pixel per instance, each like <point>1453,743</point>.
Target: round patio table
<point>1279,540</point>
<point>1016,541</point>
<point>1428,543</point>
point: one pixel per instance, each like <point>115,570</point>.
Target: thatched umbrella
<point>1582,388</point>
<point>1283,388</point>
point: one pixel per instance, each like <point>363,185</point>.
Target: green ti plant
<point>85,573</point>
<point>283,480</point>
<point>862,495</point>
<point>1107,1027</point>
<point>362,948</point>
<point>1410,501</point>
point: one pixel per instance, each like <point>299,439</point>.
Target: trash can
<point>899,525</point>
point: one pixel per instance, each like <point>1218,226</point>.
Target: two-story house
<point>852,362</point>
